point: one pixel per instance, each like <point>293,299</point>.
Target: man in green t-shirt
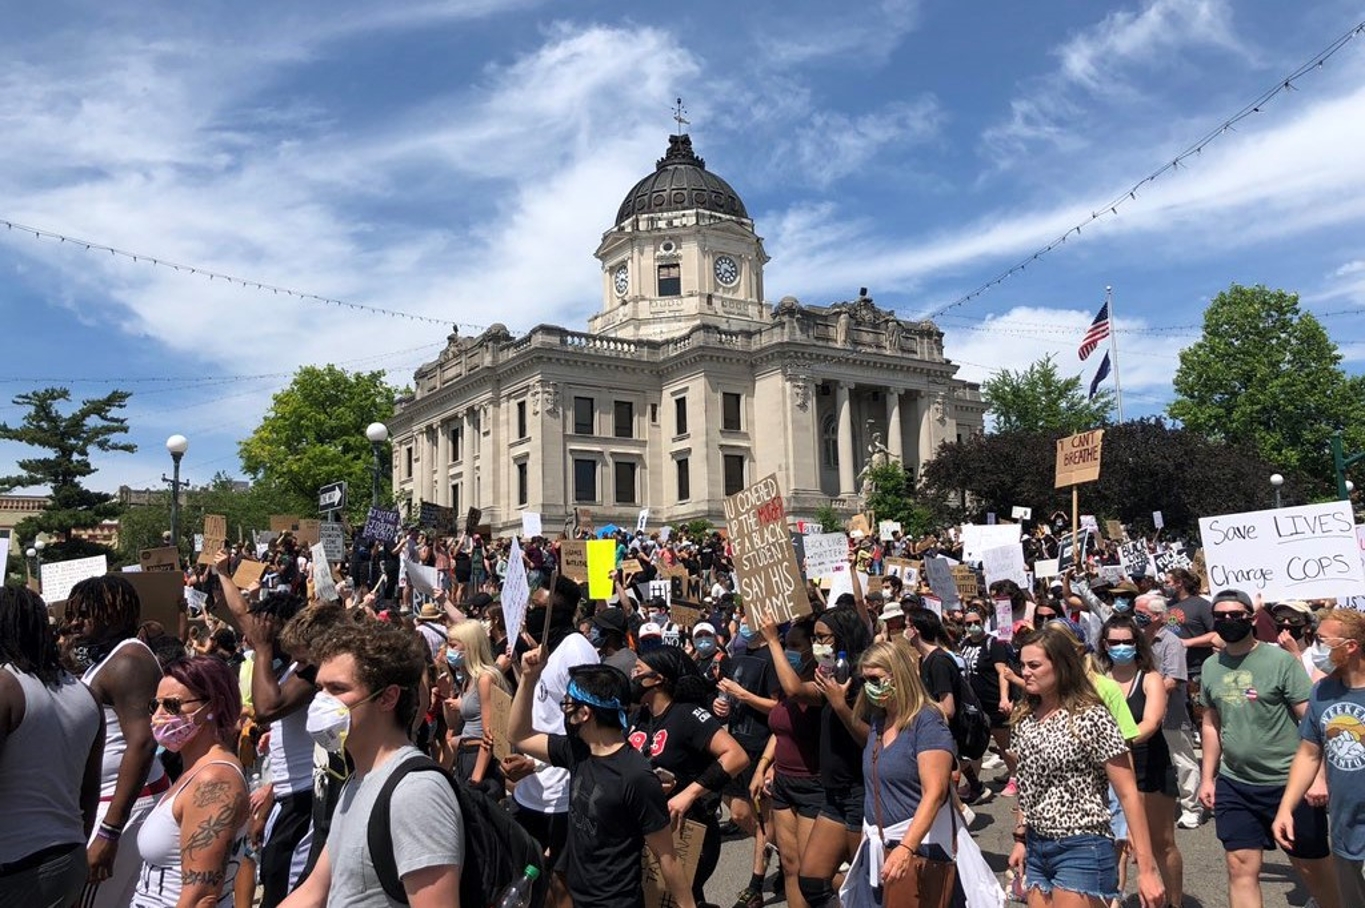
<point>1254,695</point>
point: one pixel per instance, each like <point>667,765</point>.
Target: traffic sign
<point>332,497</point>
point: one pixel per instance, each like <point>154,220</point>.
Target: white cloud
<point>868,32</point>
<point>832,145</point>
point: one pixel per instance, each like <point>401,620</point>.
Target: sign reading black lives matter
<point>765,563</point>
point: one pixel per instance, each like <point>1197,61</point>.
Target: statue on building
<point>841,328</point>
<point>893,335</point>
<point>877,456</point>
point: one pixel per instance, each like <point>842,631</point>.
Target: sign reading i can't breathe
<point>1078,458</point>
<point>1307,552</point>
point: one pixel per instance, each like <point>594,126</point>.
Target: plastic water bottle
<point>518,894</point>
<point>842,670</point>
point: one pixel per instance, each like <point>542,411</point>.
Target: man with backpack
<point>946,685</point>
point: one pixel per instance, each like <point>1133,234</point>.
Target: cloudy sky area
<point>461,159</point>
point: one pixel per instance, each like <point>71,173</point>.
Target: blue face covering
<point>704,645</point>
<point>594,636</point>
<point>1123,605</point>
<point>795,658</point>
<point>1142,619</point>
<point>454,659</point>
<point>1123,654</point>
<point>746,632</point>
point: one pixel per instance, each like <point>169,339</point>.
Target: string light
<point>1193,149</point>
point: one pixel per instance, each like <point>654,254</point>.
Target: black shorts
<point>844,806</point>
<point>1242,815</point>
<point>286,849</point>
<point>804,795</point>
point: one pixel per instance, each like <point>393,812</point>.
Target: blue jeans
<point>1084,864</point>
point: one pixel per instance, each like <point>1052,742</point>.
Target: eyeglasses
<point>172,705</point>
<point>1231,616</point>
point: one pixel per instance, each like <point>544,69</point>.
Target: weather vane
<point>678,112</point>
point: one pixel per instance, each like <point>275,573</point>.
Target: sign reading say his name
<point>1306,552</point>
<point>765,562</point>
<point>1078,458</point>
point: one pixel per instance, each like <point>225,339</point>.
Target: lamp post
<point>1276,480</point>
<point>177,445</point>
<point>377,433</point>
<point>35,552</point>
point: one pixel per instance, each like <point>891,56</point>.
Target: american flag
<point>1098,331</point>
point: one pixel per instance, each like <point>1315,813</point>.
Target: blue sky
<point>461,160</point>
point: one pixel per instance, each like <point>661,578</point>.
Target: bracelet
<point>105,831</point>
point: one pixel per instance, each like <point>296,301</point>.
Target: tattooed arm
<point>211,812</point>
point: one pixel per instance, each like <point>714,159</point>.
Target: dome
<point>681,182</point>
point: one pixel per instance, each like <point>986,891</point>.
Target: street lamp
<point>177,445</point>
<point>377,433</point>
<point>35,552</point>
<point>1276,480</point>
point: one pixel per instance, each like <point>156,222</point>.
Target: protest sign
<point>642,520</point>
<point>629,568</point>
<point>687,843</point>
<point>162,559</point>
<point>1004,620</point>
<point>195,601</point>
<point>283,523</point>
<point>247,573</point>
<point>1351,602</point>
<point>1065,556</point>
<point>1109,575</point>
<point>685,616</point>
<point>768,579</point>
<point>933,604</point>
<point>1090,524</point>
<point>887,529</point>
<point>601,562</point>
<point>1005,562</point>
<point>530,524</point>
<point>906,570</point>
<point>990,518</point>
<point>381,524</point>
<point>333,539</point>
<point>1133,555</point>
<point>159,594</point>
<point>940,576</point>
<point>824,553</point>
<point>516,593</point>
<point>1019,513</point>
<point>1169,560</point>
<point>471,520</point>
<point>858,524</point>
<point>58,577</point>
<point>1157,520</point>
<point>215,526</point>
<point>199,542</point>
<point>840,582</point>
<point>1114,530</point>
<point>324,588</point>
<point>309,532</point>
<point>665,533</point>
<point>976,538</point>
<point>500,704</point>
<point>1078,458</point>
<point>421,578</point>
<point>437,517</point>
<point>573,560</point>
<point>1049,568</point>
<point>965,579</point>
<point>1305,552</point>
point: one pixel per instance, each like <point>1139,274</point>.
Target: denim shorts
<point>1085,864</point>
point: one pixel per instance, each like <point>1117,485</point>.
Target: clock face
<point>621,279</point>
<point>727,271</point>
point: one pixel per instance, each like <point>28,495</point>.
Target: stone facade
<point>686,386</point>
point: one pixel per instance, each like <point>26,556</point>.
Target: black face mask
<point>1232,630</point>
<point>638,690</point>
<point>1142,619</point>
<point>1293,630</point>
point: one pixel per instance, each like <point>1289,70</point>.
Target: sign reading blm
<point>765,562</point>
<point>1307,552</point>
<point>1078,458</point>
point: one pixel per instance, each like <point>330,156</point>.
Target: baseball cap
<point>1293,605</point>
<point>650,629</point>
<point>612,619</point>
<point>703,627</point>
<point>1234,596</point>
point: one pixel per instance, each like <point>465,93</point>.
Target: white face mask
<point>824,653</point>
<point>1322,658</point>
<point>329,722</point>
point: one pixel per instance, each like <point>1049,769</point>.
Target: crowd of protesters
<point>241,756</point>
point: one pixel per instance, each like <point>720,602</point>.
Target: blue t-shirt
<point>1335,721</point>
<point>897,772</point>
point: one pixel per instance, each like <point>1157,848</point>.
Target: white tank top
<point>42,764</point>
<point>114,743</point>
<point>158,842</point>
<point>291,747</point>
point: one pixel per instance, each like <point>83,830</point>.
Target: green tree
<point>829,519</point>
<point>892,498</point>
<point>1265,376</point>
<point>69,437</point>
<point>314,434</point>
<point>1038,399</point>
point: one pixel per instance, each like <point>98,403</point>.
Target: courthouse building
<point>687,385</point>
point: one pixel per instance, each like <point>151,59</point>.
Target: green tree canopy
<point>892,498</point>
<point>314,434</point>
<point>69,437</point>
<point>1038,399</point>
<point>1266,377</point>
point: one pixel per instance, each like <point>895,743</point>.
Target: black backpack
<point>970,725</point>
<point>497,850</point>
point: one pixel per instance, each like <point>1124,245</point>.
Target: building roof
<point>681,182</point>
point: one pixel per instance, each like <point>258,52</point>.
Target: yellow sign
<point>601,564</point>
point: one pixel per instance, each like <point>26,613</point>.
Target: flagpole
<point>1114,347</point>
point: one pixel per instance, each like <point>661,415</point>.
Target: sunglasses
<point>172,705</point>
<point>972,625</point>
<point>1043,617</point>
<point>1128,642</point>
<point>1231,616</point>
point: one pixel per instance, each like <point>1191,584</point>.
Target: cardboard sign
<point>516,593</point>
<point>977,538</point>
<point>1114,530</point>
<point>687,846</point>
<point>530,524</point>
<point>60,576</point>
<point>1046,569</point>
<point>309,532</point>
<point>160,595</point>
<point>1019,513</point>
<point>324,588</point>
<point>685,616</point>
<point>215,526</point>
<point>768,578</point>
<point>283,523</point>
<point>1078,458</point>
<point>471,520</point>
<point>858,524</point>
<point>333,539</point>
<point>381,524</point>
<point>964,578</point>
<point>824,553</point>
<point>160,560</point>
<point>573,559</point>
<point>248,572</point>
<point>500,704</point>
<point>629,568</point>
<point>887,529</point>
<point>1005,563</point>
<point>601,562</point>
<point>1305,552</point>
<point>941,579</point>
<point>437,517</point>
<point>906,570</point>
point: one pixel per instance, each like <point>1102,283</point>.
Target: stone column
<point>847,478</point>
<point>926,429</point>
<point>894,435</point>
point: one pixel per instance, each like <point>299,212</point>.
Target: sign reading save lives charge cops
<point>1078,458</point>
<point>1307,552</point>
<point>765,562</point>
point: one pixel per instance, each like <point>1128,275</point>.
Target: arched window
<point>829,441</point>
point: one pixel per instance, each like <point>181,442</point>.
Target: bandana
<point>579,695</point>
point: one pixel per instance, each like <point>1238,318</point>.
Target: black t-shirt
<point>754,671</point>
<point>614,802</point>
<point>938,671</point>
<point>678,740</point>
<point>982,658</point>
<point>841,757</point>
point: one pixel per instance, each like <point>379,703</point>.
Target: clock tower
<point>683,253</point>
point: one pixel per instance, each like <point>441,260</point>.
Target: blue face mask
<point>747,632</point>
<point>454,658</point>
<point>1123,605</point>
<point>1123,654</point>
<point>705,646</point>
<point>795,658</point>
<point>594,636</point>
<point>1142,619</point>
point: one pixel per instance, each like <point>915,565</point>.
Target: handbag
<point>929,882</point>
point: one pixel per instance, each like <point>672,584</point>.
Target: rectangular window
<point>455,497</point>
<point>734,473</point>
<point>625,482</point>
<point>670,280</point>
<point>625,419</point>
<point>457,444</point>
<point>684,480</point>
<point>407,462</point>
<point>582,416</point>
<point>653,414</point>
<point>585,480</point>
<point>521,419</point>
<point>523,486</point>
<point>731,405</point>
<point>680,415</point>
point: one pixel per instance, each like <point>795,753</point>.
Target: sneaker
<point>1011,790</point>
<point>991,761</point>
<point>1190,821</point>
<point>749,898</point>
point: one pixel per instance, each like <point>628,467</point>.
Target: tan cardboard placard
<point>162,596</point>
<point>858,523</point>
<point>248,572</point>
<point>164,559</point>
<point>768,577</point>
<point>211,548</point>
<point>501,705</point>
<point>215,527</point>
<point>964,578</point>
<point>1078,458</point>
<point>573,559</point>
<point>309,533</point>
<point>684,616</point>
<point>687,845</point>
<point>630,567</point>
<point>1114,530</point>
<point>283,523</point>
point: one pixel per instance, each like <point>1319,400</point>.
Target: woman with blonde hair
<point>1070,750</point>
<point>907,770</point>
<point>473,674</point>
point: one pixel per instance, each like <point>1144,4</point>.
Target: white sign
<point>1157,520</point>
<point>1046,569</point>
<point>421,578</point>
<point>840,582</point>
<point>1005,562</point>
<point>58,577</point>
<point>196,600</point>
<point>516,592</point>
<point>530,524</point>
<point>1090,524</point>
<point>661,589</point>
<point>131,569</point>
<point>1004,620</point>
<point>1306,552</point>
<point>642,520</point>
<point>939,572</point>
<point>4,557</point>
<point>665,534</point>
<point>199,542</point>
<point>887,529</point>
<point>976,538</point>
<point>324,588</point>
<point>824,553</point>
<point>332,537</point>
<point>1019,513</point>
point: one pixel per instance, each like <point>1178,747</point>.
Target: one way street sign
<point>332,497</point>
